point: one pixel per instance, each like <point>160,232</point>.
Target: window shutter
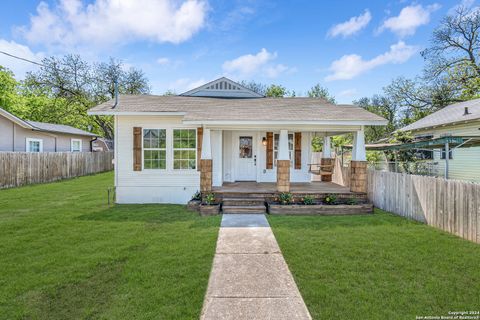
<point>269,150</point>
<point>298,150</point>
<point>199,146</point>
<point>137,149</point>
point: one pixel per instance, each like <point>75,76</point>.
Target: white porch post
<point>358,152</point>
<point>327,150</point>
<point>206,145</point>
<point>206,163</point>
<point>283,163</point>
<point>358,165</point>
<point>283,153</point>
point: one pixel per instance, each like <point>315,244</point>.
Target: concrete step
<point>244,209</point>
<point>243,201</point>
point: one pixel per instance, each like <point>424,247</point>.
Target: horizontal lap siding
<point>126,177</point>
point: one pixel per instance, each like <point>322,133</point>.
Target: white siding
<point>151,186</point>
<point>217,157</point>
<point>465,164</point>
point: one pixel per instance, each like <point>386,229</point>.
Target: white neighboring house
<point>160,140</point>
<point>456,120</point>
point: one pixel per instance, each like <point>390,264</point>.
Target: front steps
<point>244,205</point>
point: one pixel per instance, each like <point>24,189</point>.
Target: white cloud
<point>409,19</point>
<point>106,22</point>
<point>184,84</point>
<point>260,63</point>
<point>352,26</point>
<point>347,93</point>
<point>352,65</point>
<point>163,61</point>
<point>19,67</point>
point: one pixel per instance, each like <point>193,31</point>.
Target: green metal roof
<point>436,143</point>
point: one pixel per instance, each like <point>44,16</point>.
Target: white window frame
<point>71,145</point>
<point>184,149</point>
<point>291,153</point>
<point>27,144</point>
<point>160,149</point>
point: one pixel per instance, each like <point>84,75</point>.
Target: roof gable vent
<point>222,88</point>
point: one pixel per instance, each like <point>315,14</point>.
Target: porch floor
<point>316,187</point>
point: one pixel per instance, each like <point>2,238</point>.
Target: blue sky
<point>353,48</point>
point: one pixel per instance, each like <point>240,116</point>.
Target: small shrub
<point>285,198</point>
<point>210,199</point>
<point>330,199</point>
<point>308,200</point>
<point>352,201</point>
<point>197,196</point>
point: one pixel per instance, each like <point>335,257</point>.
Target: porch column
<point>326,160</point>
<point>206,163</point>
<point>283,163</point>
<point>358,165</point>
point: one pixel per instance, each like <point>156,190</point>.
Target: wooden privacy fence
<point>22,168</point>
<point>450,205</point>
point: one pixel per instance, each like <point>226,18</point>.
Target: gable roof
<point>452,114</point>
<point>60,128</point>
<point>43,126</point>
<point>222,87</point>
<point>253,110</point>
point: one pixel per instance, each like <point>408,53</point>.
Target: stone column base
<point>283,175</point>
<point>205,175</point>
<point>358,176</point>
<point>327,161</point>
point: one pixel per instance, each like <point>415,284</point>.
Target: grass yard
<point>379,266</point>
<point>66,255</point>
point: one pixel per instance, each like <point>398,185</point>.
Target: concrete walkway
<point>249,278</point>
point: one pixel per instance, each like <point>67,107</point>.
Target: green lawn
<point>66,255</point>
<point>378,267</point>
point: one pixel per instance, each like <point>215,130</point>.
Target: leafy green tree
<point>317,91</point>
<point>8,89</point>
<point>276,91</point>
<point>81,85</point>
<point>384,107</point>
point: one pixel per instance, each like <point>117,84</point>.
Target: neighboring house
<point>102,144</point>
<point>457,120</point>
<point>169,147</point>
<point>32,136</point>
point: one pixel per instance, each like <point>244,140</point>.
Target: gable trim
<point>228,87</point>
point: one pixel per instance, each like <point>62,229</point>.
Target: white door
<point>246,156</point>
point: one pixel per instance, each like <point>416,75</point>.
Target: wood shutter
<point>199,146</point>
<point>137,149</point>
<point>269,155</point>
<point>298,150</point>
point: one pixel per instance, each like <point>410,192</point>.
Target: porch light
<point>264,141</point>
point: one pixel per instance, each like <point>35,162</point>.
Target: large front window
<point>184,149</point>
<point>154,149</point>
<point>290,147</point>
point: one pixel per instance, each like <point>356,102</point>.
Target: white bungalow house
<point>169,147</point>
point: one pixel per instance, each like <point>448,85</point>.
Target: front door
<point>246,154</point>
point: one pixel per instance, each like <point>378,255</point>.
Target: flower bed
<point>286,204</point>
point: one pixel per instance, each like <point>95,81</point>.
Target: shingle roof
<point>451,114</point>
<point>61,128</point>
<point>235,109</point>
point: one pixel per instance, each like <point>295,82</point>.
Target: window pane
<point>245,147</point>
<point>184,144</point>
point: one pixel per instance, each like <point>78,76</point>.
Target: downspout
<point>447,156</point>
<point>91,143</point>
<point>13,136</point>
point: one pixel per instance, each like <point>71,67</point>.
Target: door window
<point>245,147</point>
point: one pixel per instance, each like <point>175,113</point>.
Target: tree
<point>82,85</point>
<point>276,91</point>
<point>453,54</point>
<point>8,89</point>
<point>383,107</point>
<point>257,87</point>
<point>317,91</point>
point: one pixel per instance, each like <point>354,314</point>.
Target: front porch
<point>317,187</point>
